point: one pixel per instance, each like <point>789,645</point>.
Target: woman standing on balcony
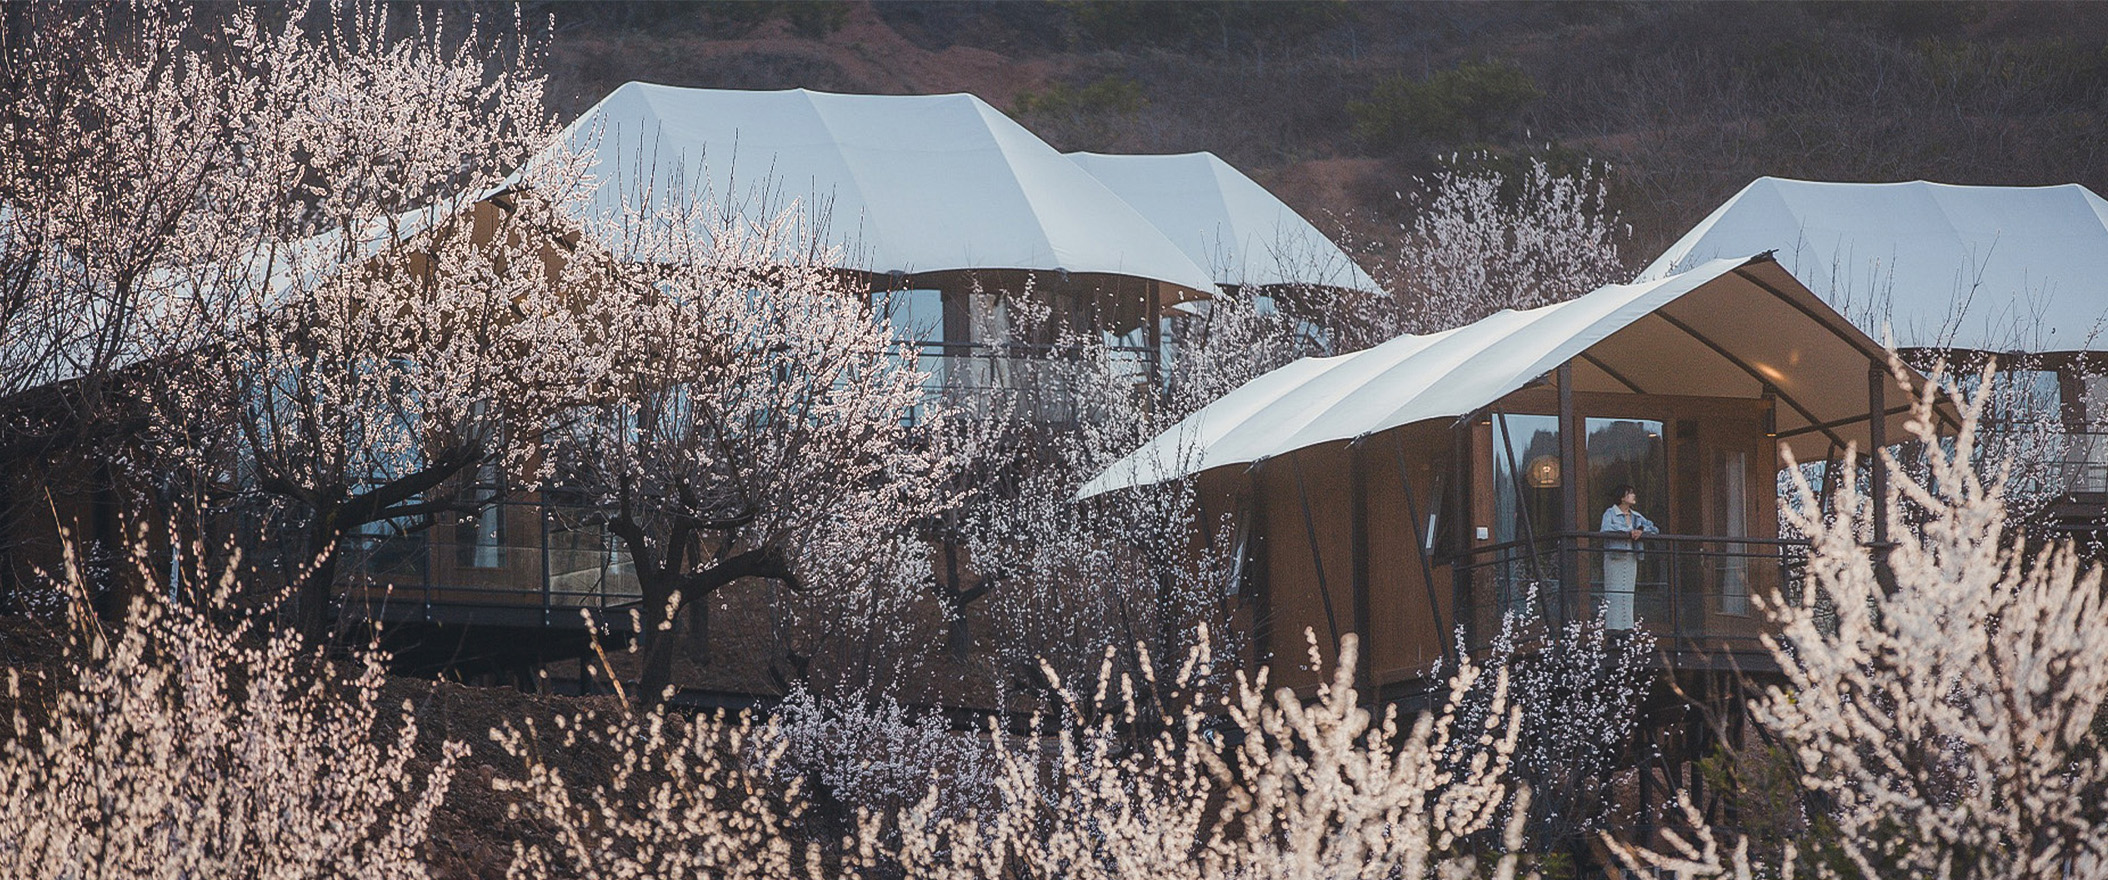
<point>1621,558</point>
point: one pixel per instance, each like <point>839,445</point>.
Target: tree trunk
<point>959,640</point>
<point>657,637</point>
<point>312,594</point>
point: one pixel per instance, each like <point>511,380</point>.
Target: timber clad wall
<point>1402,639</point>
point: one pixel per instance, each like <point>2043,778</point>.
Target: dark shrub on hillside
<point>1469,103</point>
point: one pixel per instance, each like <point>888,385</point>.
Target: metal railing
<point>1688,591</point>
<point>1036,380</point>
<point>2051,458</point>
<point>2080,465</point>
<point>533,564</point>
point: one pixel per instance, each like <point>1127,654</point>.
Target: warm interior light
<point>1543,472</point>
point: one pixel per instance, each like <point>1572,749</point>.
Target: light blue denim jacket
<point>1615,520</point>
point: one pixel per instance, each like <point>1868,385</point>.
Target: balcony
<point>981,379</point>
<point>515,564</point>
<point>1693,593</point>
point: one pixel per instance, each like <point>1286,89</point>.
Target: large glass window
<point>917,319</point>
<point>1624,452</point>
<point>916,315</point>
<point>1525,476</point>
<point>1526,496</point>
<point>1629,586</point>
<point>1734,523</point>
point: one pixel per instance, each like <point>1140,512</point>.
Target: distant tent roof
<point>1987,268</point>
<point>1225,221</point>
<point>916,183</point>
<point>1723,329</point>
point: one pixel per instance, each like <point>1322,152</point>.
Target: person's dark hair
<point>1619,495</point>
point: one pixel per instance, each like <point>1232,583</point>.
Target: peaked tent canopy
<point>1728,328</point>
<point>907,183</point>
<point>1225,221</point>
<point>1983,268</point>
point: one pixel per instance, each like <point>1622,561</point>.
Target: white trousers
<point>1621,573</point>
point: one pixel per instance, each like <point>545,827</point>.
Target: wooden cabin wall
<point>1401,637</point>
<point>1296,589</point>
<point>1410,617</point>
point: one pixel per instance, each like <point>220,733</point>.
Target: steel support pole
<point>1358,536</point>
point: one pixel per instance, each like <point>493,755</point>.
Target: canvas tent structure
<point>2020,273</point>
<point>944,203</point>
<point>1978,268</point>
<point>908,184</point>
<point>1225,221</point>
<point>1448,478</point>
<point>948,207</point>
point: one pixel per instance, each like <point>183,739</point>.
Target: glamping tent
<point>2003,270</point>
<point>908,184</point>
<point>1225,221</point>
<point>948,206</point>
<point>1439,480</point>
<point>1982,268</point>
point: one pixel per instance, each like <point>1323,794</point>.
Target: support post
<point>1460,529</point>
<point>1358,537</point>
<point>1877,484</point>
<point>1571,579</point>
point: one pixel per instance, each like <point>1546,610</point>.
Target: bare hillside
<point>1337,105</point>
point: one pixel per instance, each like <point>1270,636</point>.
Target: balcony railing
<point>977,377</point>
<point>1693,593</point>
<point>2078,461</point>
<point>527,564</point>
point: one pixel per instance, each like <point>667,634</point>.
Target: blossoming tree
<point>755,425</point>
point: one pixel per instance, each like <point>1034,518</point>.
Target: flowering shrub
<point>1577,689</point>
<point>682,797</point>
<point>197,741</point>
<point>1258,785</point>
<point>865,749</point>
<point>1482,240</point>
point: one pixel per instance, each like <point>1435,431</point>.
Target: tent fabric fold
<point>1225,221</point>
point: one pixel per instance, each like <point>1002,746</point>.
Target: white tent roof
<point>1987,268</point>
<point>1225,221</point>
<point>1724,329</point>
<point>916,183</point>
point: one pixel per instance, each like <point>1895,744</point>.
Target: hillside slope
<point>1336,106</point>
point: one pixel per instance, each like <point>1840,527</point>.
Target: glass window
<point>1627,452</point>
<point>916,315</point>
<point>1526,497</point>
<point>1525,476</point>
<point>917,319</point>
